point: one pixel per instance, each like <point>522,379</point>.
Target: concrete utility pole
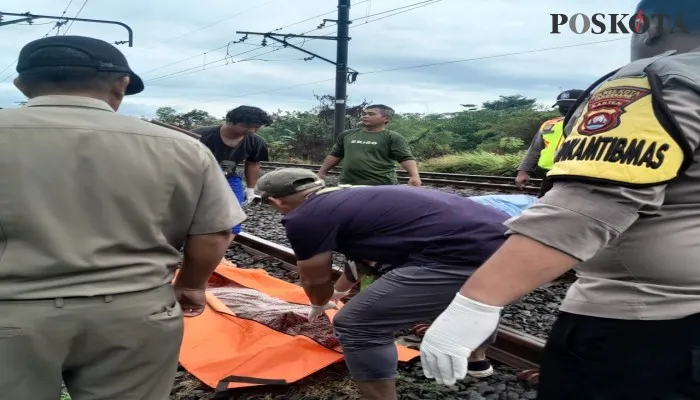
<point>29,18</point>
<point>341,66</point>
<point>343,74</point>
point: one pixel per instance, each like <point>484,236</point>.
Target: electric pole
<point>341,66</point>
<point>343,74</point>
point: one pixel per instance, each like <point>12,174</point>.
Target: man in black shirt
<point>235,142</point>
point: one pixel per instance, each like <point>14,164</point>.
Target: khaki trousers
<point>120,347</point>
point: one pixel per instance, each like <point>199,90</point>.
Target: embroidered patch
<point>606,106</point>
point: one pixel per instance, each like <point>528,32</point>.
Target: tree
<point>510,102</point>
<point>188,120</point>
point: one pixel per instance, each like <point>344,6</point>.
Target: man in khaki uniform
<point>625,213</point>
<point>94,207</point>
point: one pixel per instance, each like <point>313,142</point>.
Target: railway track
<point>502,184</point>
<point>495,183</point>
<point>512,348</point>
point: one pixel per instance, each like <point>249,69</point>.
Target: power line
<point>213,23</point>
<point>490,57</point>
<point>423,66</point>
<point>76,16</point>
<point>56,25</point>
<point>200,68</point>
<point>237,42</point>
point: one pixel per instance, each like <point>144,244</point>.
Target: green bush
<point>475,163</point>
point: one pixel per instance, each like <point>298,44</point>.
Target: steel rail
<point>434,178</point>
<point>513,348</point>
<point>426,178</point>
<point>432,175</point>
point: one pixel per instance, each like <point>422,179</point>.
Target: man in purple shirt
<point>423,243</point>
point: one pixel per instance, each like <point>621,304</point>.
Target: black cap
<point>102,56</point>
<point>568,97</point>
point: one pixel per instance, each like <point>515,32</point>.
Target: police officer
<point>422,258</point>
<point>540,154</point>
<point>94,207</point>
<point>625,213</point>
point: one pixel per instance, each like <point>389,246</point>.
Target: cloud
<point>170,42</point>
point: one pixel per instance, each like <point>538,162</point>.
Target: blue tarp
<point>511,204</point>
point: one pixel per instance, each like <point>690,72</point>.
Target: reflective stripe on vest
<point>553,137</point>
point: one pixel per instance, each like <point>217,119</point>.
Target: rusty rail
<point>513,348</point>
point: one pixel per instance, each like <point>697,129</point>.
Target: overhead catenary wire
<point>200,68</point>
<point>56,25</point>
<point>76,16</point>
<point>229,43</point>
<point>201,28</point>
<point>423,66</point>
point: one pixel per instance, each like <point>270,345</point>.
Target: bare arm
<point>201,257</point>
<point>343,284</point>
<point>500,281</point>
<point>316,277</point>
<point>252,173</point>
<point>328,164</point>
<point>411,167</point>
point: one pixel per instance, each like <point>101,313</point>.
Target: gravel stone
<point>533,314</point>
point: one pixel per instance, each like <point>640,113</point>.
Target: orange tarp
<point>218,345</point>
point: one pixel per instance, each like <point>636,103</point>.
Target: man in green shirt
<point>370,153</point>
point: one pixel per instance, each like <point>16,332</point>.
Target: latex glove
<point>250,196</point>
<point>317,311</point>
<point>338,295</point>
<point>449,341</point>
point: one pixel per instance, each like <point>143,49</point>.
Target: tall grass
<point>476,163</point>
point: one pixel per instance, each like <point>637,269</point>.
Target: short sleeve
<point>310,235</point>
<point>338,149</point>
<point>602,211</point>
<point>400,151</point>
<point>217,209</point>
<point>260,151</point>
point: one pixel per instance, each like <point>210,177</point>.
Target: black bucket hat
<point>102,56</point>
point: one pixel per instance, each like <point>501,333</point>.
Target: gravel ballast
<point>333,383</point>
<point>533,314</point>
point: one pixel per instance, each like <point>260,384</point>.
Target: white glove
<point>338,295</point>
<point>249,196</point>
<point>317,311</point>
<point>449,341</point>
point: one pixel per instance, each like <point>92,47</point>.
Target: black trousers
<point>589,358</point>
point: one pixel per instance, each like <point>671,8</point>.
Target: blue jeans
<point>236,184</point>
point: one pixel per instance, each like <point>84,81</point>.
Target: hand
<point>339,295</point>
<point>449,341</point>
<point>250,197</point>
<point>522,179</point>
<point>317,311</point>
<point>414,181</point>
<point>192,301</point>
<point>321,175</point>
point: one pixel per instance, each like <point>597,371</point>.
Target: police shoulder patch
<point>548,125</point>
<point>619,139</point>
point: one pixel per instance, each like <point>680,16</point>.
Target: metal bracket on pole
<point>29,17</point>
<point>343,74</point>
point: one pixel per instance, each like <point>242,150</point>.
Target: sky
<point>185,51</point>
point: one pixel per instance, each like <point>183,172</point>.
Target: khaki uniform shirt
<point>631,215</point>
<point>97,203</point>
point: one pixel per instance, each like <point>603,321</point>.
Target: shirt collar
<point>68,101</point>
